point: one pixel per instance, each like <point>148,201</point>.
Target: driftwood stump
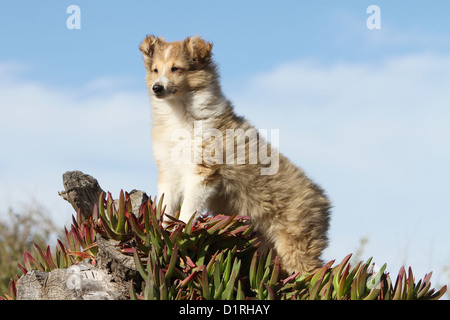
<point>81,191</point>
<point>78,282</point>
<point>111,275</point>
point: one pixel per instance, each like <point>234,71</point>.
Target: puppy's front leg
<point>197,193</point>
<point>172,198</point>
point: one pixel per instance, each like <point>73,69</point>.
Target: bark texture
<point>110,277</point>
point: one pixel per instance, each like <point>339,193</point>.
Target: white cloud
<point>370,108</point>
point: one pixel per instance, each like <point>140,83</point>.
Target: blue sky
<point>364,112</point>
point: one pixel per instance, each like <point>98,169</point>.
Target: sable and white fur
<point>287,209</point>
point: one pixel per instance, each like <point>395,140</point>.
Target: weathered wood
<point>109,279</point>
<point>121,267</point>
<point>111,275</point>
<point>78,282</point>
<point>81,191</point>
<point>137,198</point>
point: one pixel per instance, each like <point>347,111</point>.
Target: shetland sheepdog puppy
<point>195,132</point>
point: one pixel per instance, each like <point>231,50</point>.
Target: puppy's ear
<point>198,49</point>
<point>149,45</point>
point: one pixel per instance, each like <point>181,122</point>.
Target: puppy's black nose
<point>157,88</point>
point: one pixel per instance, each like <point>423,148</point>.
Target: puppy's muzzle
<point>158,89</point>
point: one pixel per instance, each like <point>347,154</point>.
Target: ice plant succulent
<point>80,245</point>
<point>212,258</point>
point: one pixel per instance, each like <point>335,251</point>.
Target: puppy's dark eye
<point>174,69</point>
<point>155,70</point>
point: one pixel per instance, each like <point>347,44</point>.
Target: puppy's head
<point>176,68</point>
